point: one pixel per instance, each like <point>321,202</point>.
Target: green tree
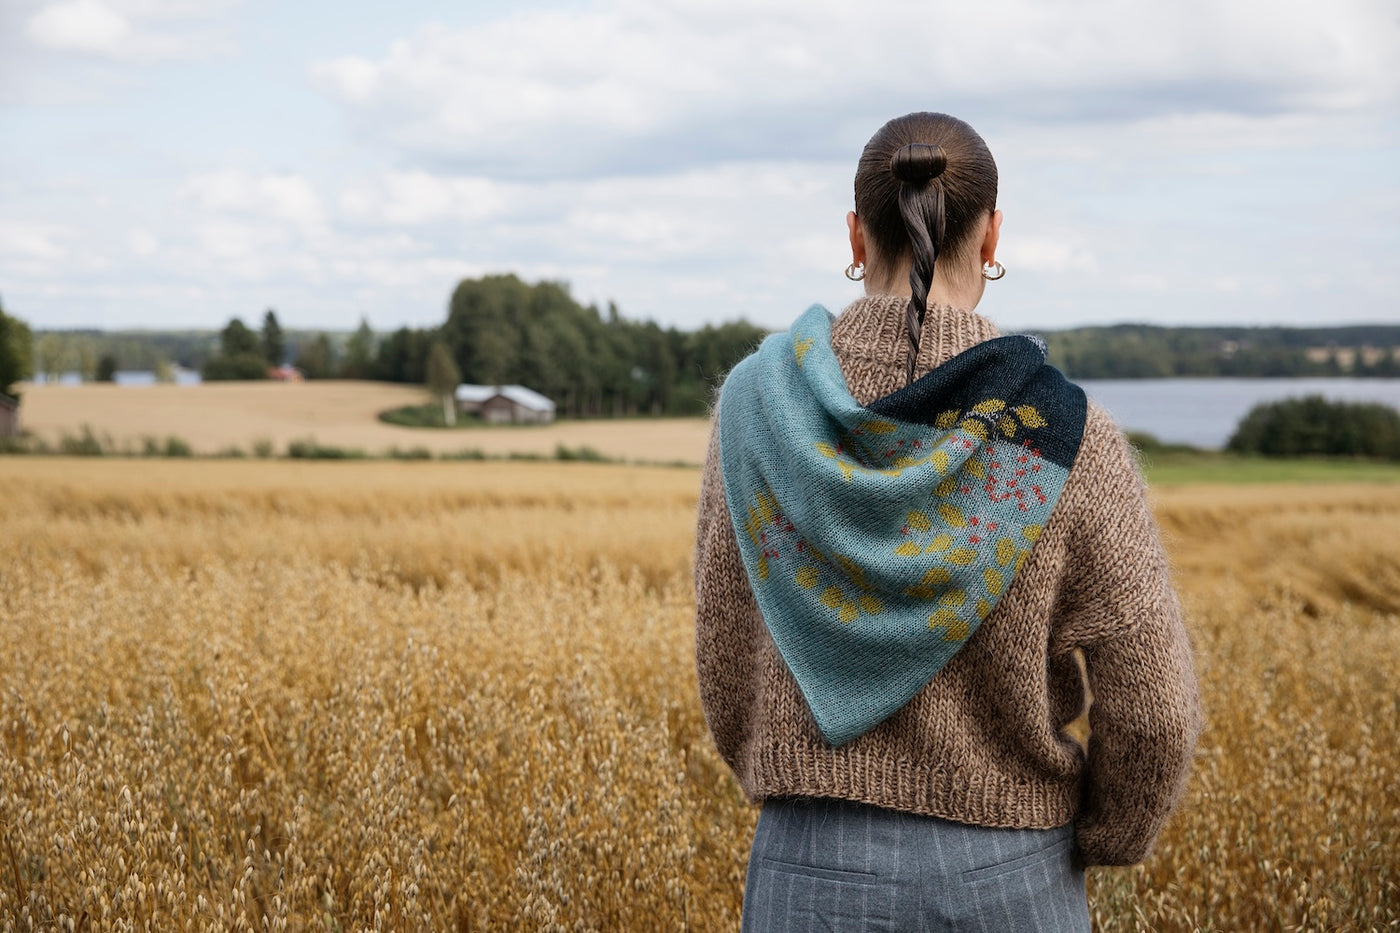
<point>51,351</point>
<point>317,359</point>
<point>443,379</point>
<point>403,355</point>
<point>107,368</point>
<point>359,353</point>
<point>240,355</point>
<point>1316,426</point>
<point>16,353</point>
<point>274,343</point>
<point>236,339</point>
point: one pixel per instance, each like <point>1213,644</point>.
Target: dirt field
<point>376,695</point>
<point>215,416</point>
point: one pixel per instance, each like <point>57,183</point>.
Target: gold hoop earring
<point>855,271</point>
<point>991,271</point>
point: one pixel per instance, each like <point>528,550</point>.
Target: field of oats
<point>334,696</point>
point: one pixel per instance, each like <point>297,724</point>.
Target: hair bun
<point>918,162</point>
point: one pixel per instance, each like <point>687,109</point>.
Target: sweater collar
<point>871,330</point>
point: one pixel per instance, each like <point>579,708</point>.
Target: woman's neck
<point>961,292</point>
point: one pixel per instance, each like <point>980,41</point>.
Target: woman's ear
<point>857,238</point>
<point>989,241</point>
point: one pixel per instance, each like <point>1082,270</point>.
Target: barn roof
<point>526,398</point>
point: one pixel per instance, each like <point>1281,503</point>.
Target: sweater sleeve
<point>727,619</point>
<point>1145,715</point>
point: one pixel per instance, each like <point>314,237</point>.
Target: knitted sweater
<point>983,741</point>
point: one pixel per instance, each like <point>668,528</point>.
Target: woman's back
<point>983,742</point>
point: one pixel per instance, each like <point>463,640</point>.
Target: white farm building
<point>504,404</point>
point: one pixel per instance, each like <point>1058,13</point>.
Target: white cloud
<point>31,241</point>
<point>79,26</point>
<point>123,29</point>
<point>288,199</point>
<point>409,198</point>
<point>142,242</point>
<point>624,84</point>
<point>1044,254</point>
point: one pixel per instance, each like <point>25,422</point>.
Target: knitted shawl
<point>877,539</point>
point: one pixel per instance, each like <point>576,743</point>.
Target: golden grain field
<point>336,696</point>
<point>337,413</point>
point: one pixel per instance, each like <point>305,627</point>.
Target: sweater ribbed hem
<point>897,783</point>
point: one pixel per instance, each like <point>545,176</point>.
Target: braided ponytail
<point>923,183</point>
<point>917,166</point>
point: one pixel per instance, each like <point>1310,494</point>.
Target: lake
<point>1204,412</point>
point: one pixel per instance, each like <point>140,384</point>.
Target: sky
<point>175,163</point>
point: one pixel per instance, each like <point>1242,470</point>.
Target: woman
<point>909,528</point>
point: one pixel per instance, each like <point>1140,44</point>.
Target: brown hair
<point>924,182</point>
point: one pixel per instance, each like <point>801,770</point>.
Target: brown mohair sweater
<point>984,741</point>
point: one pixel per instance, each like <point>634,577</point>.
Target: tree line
<point>1140,351</point>
<point>500,331</point>
<point>1317,426</point>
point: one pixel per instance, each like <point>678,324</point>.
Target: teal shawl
<point>878,538</point>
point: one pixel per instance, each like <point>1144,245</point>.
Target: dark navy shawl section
<point>1012,369</point>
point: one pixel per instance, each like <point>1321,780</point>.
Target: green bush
<point>469,453</point>
<point>310,450</point>
<point>1315,426</point>
<point>238,366</point>
<point>584,453</point>
<point>411,453</point>
<point>85,444</point>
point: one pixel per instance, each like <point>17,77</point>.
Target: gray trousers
<point>837,865</point>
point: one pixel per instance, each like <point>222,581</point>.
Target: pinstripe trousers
<point>833,865</point>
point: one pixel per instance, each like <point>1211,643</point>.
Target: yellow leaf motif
<point>992,578</point>
<point>801,348</point>
<point>1029,416</point>
<point>939,459</point>
<point>869,604</point>
<point>953,598</point>
<point>1006,549</point>
<point>974,427</point>
<point>939,544</point>
<point>853,570</point>
<point>918,521</point>
<point>831,597</point>
<point>937,576</point>
<point>879,427</point>
<point>962,556</point>
<point>767,506</point>
<point>848,612</point>
<point>954,629</point>
<point>908,549</point>
<point>989,407</point>
<point>763,567</point>
<point>947,419</point>
<point>1007,424</point>
<point>826,450</point>
<point>975,468</point>
<point>807,577</point>
<point>1031,532</point>
<point>942,618</point>
<point>952,515</point>
<point>984,608</point>
<point>945,488</point>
